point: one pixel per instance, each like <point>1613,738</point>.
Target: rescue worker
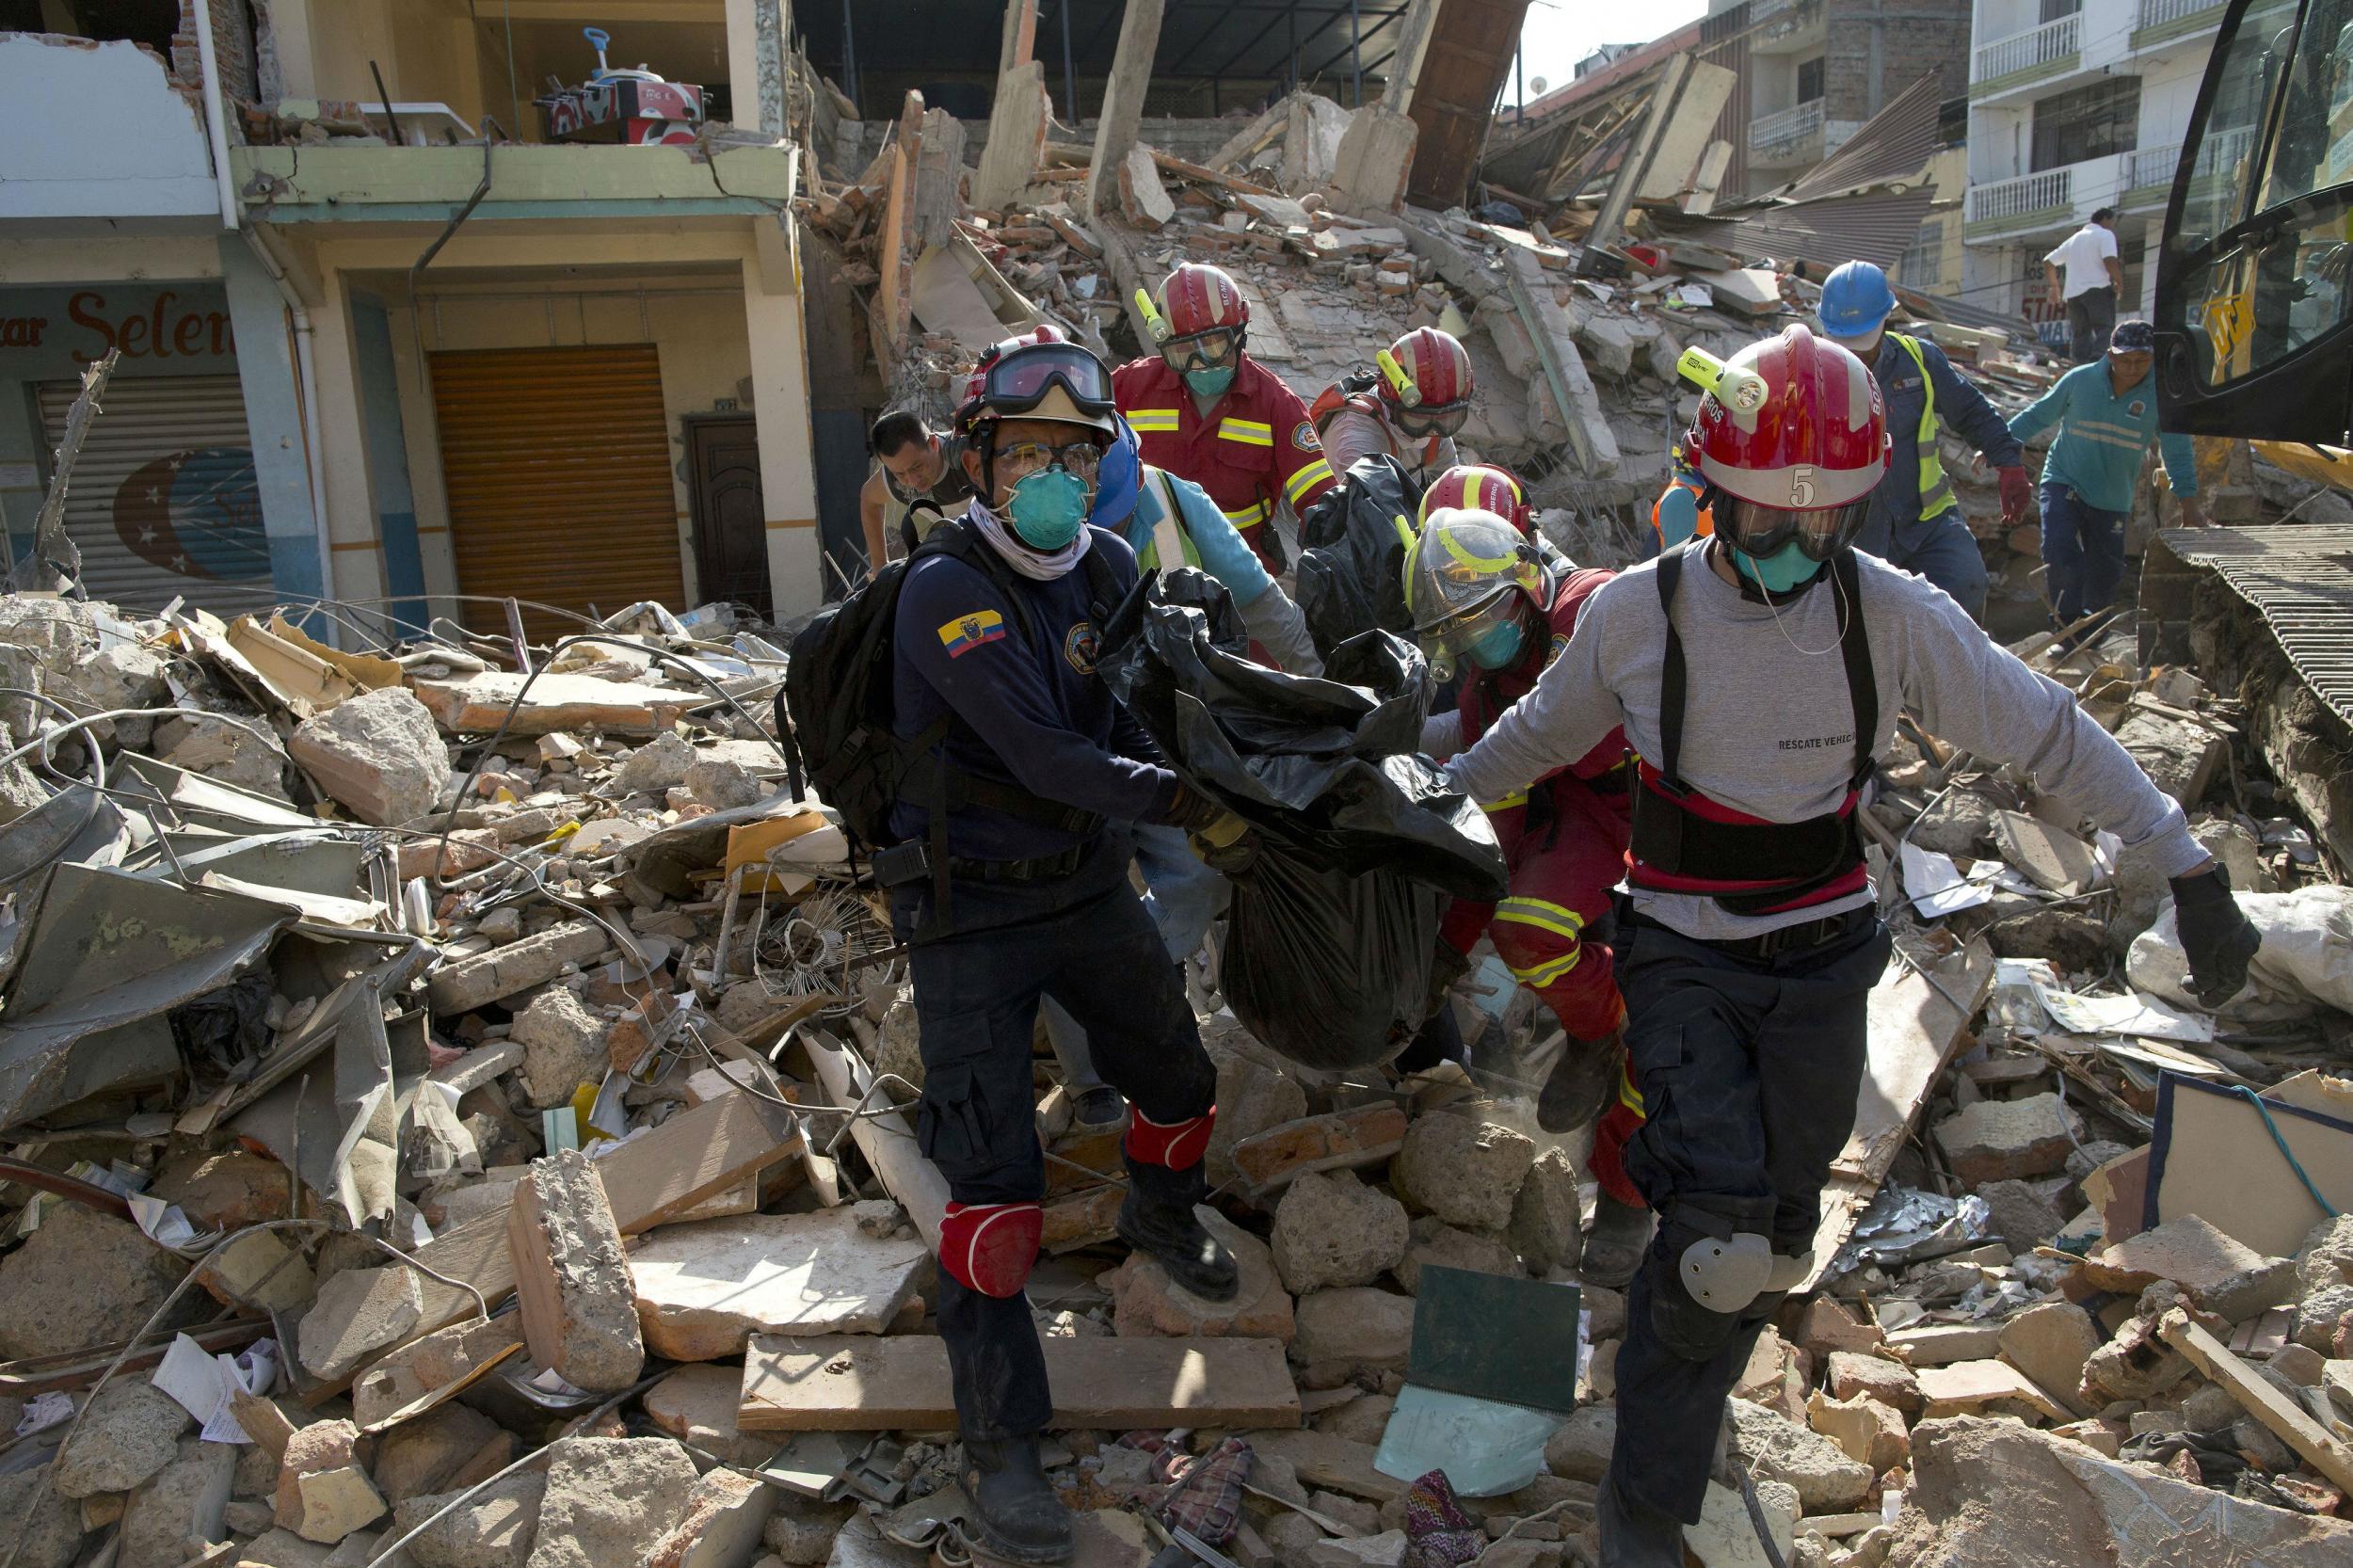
<point>995,643</point>
<point>2106,414</point>
<point>1165,518</point>
<point>1677,514</point>
<point>918,479</point>
<point>1916,520</point>
<point>1409,406</point>
<point>1757,675</point>
<point>1208,412</point>
<point>1483,599</point>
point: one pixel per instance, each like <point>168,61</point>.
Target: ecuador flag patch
<point>963,634</point>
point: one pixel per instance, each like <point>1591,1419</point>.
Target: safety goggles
<point>1447,640</point>
<point>1019,380</point>
<point>1021,459</point>
<point>1760,531</point>
<point>1423,423</point>
<point>1210,350</point>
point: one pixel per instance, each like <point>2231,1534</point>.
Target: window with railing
<point>2156,13</point>
<point>1783,128</point>
<point>2052,41</point>
<point>2096,120</point>
<point>1922,265</point>
<point>1810,79</point>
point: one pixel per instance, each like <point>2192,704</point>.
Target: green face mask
<point>1210,383</point>
<point>1779,573</point>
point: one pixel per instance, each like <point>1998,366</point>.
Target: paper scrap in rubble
<point>1697,295</point>
<point>1935,885</point>
<point>48,1410</point>
<point>203,1384</point>
<point>2130,1013</point>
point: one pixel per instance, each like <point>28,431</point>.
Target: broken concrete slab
<point>1968,1386</point>
<point>1774,1447</point>
<point>496,1527</point>
<point>1144,202</point>
<point>479,704</point>
<point>1436,1242</point>
<point>696,1404</point>
<point>1333,1230</point>
<point>1546,1226</point>
<point>703,1290</point>
<point>408,1381</point>
<point>721,1527</point>
<point>84,1279</point>
<point>376,755</point>
<point>2050,1342</point>
<point>447,1447</point>
<point>2220,1275</point>
<point>1018,115</point>
<point>609,1499</point>
<point>1374,160</point>
<point>323,1494</point>
<point>1352,1331</point>
<point>183,1500</point>
<point>802,1530</point>
<point>1144,1301</point>
<point>358,1312</point>
<point>851,1382</point>
<point>1868,1432</point>
<point>1849,1373</point>
<point>1465,1170</point>
<point>128,1434</point>
<point>1994,1140</point>
<point>1580,1450</point>
<point>2000,1491</point>
<point>572,1277</point>
<point>44,1525</point>
<point>564,1046</point>
<point>502,972</point>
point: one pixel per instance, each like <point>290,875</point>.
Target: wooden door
<point>731,528</point>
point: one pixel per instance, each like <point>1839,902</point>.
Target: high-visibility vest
<point>1936,492</point>
<point>1170,537</point>
<point>1707,516</point>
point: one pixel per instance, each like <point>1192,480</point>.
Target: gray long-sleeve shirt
<point>1769,725</point>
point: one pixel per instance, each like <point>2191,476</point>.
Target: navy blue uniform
<point>1036,910</point>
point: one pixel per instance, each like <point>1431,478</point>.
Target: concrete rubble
<point>508,1117</point>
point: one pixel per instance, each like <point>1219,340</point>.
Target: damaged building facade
<point>359,360</point>
<point>2071,110</point>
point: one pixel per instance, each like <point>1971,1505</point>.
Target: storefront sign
<point>159,330</point>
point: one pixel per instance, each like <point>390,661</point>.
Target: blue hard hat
<point>1855,299</point>
<point>1119,479</point>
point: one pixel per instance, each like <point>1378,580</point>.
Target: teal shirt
<point>2101,437</point>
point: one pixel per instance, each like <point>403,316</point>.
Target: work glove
<point>2017,493</point>
<point>2216,934</point>
<point>1225,845</point>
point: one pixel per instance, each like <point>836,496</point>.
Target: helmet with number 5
<point>1794,437</point>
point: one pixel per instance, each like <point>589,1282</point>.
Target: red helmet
<point>1425,382</point>
<point>976,380</point>
<point>1477,488</point>
<point>1197,297</point>
<point>1795,436</point>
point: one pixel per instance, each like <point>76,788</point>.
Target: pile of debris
<point>463,1113</point>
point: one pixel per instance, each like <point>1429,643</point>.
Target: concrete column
<point>1123,100</point>
<point>756,69</point>
<point>1020,44</point>
<point>354,548</point>
<point>272,414</point>
<point>788,464</point>
<point>1422,20</point>
<point>288,38</point>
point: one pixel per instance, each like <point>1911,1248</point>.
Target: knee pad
<point>1174,1146</point>
<point>991,1247</point>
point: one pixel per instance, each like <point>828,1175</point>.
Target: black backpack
<point>1351,572</point>
<point>837,697</point>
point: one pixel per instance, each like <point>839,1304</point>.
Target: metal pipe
<point>1355,57</point>
<point>849,55</point>
<point>1069,76</point>
<point>215,117</point>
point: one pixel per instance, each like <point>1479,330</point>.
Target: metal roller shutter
<point>558,466</point>
<point>162,503</point>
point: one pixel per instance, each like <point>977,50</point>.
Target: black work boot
<point>1157,1217</point>
<point>1581,1082</point>
<point>1615,1244</point>
<point>1016,1511</point>
<point>1633,1534</point>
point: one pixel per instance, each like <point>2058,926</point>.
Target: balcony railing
<point>2221,152</point>
<point>2029,193</point>
<point>2052,41</point>
<point>2156,13</point>
<point>1785,127</point>
<point>1760,10</point>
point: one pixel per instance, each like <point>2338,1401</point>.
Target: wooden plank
<point>853,1383</point>
<point>1183,169</point>
<point>885,1140</point>
<point>1967,1385</point>
<point>2275,1410</point>
<point>649,1179</point>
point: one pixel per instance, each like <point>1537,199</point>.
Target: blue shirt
<point>1215,539</point>
<point>2102,437</point>
<point>1024,703</point>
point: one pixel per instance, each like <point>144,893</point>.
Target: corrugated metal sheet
<point>163,503</point>
<point>558,466</point>
<point>2299,579</point>
<point>1878,227</point>
<point>1894,144</point>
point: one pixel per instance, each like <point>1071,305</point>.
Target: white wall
<point>98,131</point>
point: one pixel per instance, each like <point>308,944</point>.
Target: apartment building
<point>393,333</point>
<point>2075,105</point>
